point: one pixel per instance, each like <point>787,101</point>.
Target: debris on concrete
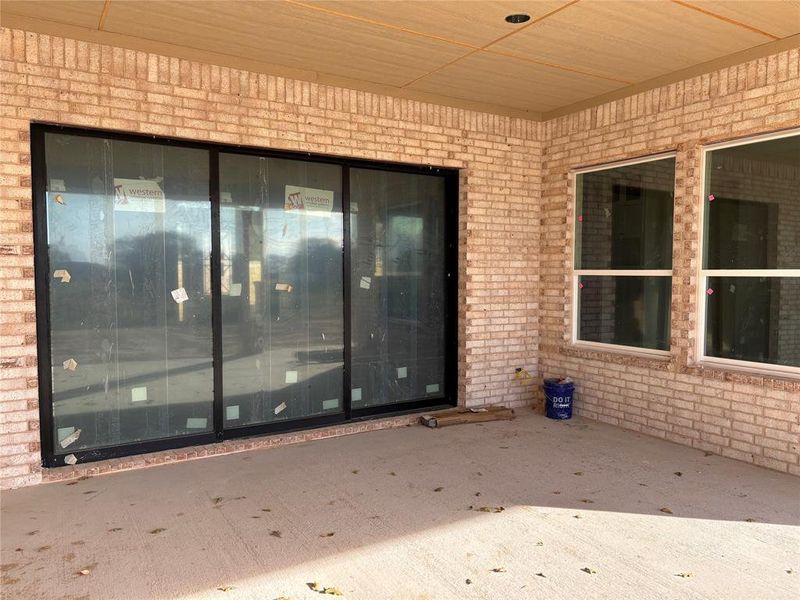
<point>489,509</point>
<point>70,459</point>
<point>460,416</point>
<point>320,589</point>
<point>665,510</point>
<point>498,570</point>
<point>684,575</point>
<point>588,570</point>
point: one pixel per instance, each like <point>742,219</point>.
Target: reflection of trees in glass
<point>146,271</point>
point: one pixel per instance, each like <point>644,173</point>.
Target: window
<point>189,293</point>
<point>623,254</point>
<point>750,274</point>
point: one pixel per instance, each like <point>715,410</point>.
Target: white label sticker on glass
<point>308,199</point>
<point>57,185</point>
<point>70,364</point>
<point>431,388</point>
<point>138,394</point>
<point>329,404</point>
<point>283,287</point>
<point>235,289</point>
<point>366,283</point>
<point>402,372</point>
<point>280,408</point>
<point>355,395</point>
<point>196,423</point>
<point>62,274</point>
<point>232,412</point>
<point>291,376</point>
<point>225,197</point>
<point>138,195</point>
<point>64,432</point>
<point>180,295</point>
<point>71,438</point>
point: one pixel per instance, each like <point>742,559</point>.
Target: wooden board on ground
<point>460,415</point>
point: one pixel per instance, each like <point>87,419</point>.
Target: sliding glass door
<point>189,293</point>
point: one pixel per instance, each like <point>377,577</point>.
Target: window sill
<point>734,366</point>
<point>643,357</point>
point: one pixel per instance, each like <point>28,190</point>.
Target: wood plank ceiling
<point>569,54</point>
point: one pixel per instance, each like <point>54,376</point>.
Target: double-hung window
<point>750,274</point>
<point>623,254</point>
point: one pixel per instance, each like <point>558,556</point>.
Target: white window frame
<point>703,274</point>
<point>577,273</point>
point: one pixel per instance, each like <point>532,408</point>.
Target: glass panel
<point>624,217</point>
<point>398,286</point>
<point>129,231</point>
<point>630,311</point>
<point>282,292</point>
<point>753,221</point>
<point>754,318</point>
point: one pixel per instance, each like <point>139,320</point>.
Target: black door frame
<point>219,433</point>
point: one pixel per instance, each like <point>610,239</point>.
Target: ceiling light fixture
<point>517,19</point>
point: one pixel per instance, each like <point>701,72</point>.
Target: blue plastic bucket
<point>558,398</point>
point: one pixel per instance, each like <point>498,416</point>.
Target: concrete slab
<point>589,511</point>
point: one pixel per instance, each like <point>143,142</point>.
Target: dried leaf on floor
<point>329,534</point>
<point>276,533</point>
<point>541,575</point>
<point>499,570</point>
<point>579,473</point>
<point>157,530</point>
<point>332,591</point>
<point>577,517</point>
<point>490,509</point>
<point>354,471</point>
<point>678,473</point>
<point>588,570</point>
<point>314,586</point>
<point>665,510</point>
<point>468,581</point>
<point>438,489</point>
<point>225,588</point>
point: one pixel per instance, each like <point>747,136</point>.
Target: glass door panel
<point>398,287</point>
<point>282,292</point>
<point>128,242</point>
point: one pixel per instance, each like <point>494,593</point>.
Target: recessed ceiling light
<point>517,19</point>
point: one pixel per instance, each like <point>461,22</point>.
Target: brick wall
<point>51,79</point>
<point>748,417</point>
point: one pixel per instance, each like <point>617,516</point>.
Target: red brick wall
<point>46,78</point>
<point>744,416</point>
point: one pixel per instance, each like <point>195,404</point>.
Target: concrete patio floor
<point>589,511</point>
